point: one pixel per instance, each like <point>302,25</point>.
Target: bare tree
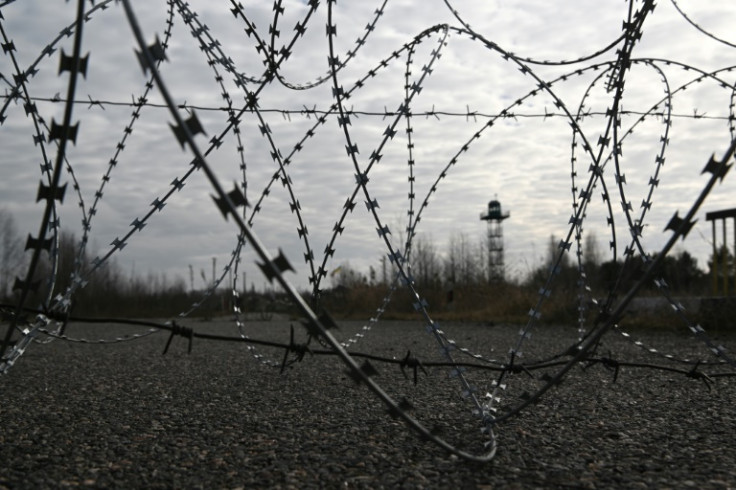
<point>554,249</point>
<point>11,252</point>
<point>425,265</point>
<point>592,256</point>
<point>463,264</point>
<point>345,276</point>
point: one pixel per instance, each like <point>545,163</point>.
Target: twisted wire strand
<point>63,132</point>
<point>495,406</point>
<point>276,272</point>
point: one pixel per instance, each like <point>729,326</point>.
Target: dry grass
<point>508,304</point>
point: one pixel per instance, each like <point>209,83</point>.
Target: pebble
<point>90,415</point>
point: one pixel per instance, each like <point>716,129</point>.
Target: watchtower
<point>495,216</point>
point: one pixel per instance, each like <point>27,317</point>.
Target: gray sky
<point>524,161</point>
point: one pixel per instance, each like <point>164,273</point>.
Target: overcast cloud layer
<point>524,161</point>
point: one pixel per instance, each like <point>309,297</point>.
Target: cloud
<point>523,160</point>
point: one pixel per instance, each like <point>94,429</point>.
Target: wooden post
<point>724,264</point>
<point>714,264</point>
<point>720,254</point>
<point>734,253</point>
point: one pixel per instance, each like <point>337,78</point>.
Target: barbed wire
<point>468,114</point>
<point>600,150</point>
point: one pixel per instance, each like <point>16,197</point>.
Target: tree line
<point>454,281</point>
<point>109,291</point>
<point>465,264</point>
<point>457,284</point>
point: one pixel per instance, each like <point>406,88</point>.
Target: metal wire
<point>492,403</point>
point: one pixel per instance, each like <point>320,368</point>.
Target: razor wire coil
<point>603,158</point>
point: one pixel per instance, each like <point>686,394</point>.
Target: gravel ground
<point>123,415</point>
